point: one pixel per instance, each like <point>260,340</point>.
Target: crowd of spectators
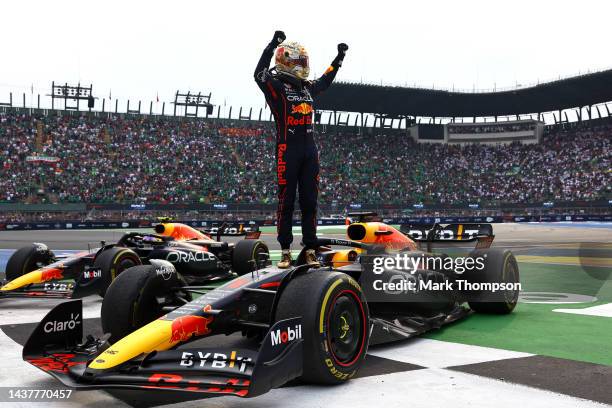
<point>142,159</point>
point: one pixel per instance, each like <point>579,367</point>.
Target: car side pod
<point>56,347</point>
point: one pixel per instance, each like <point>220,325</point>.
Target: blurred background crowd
<point>127,159</point>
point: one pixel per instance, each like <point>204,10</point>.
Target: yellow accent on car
<point>168,229</point>
<point>232,359</point>
<point>325,299</point>
<point>23,280</point>
<point>341,257</point>
<point>155,336</point>
<point>114,269</point>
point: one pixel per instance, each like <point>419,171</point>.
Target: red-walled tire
<point>335,324</point>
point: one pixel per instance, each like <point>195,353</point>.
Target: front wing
<point>56,347</point>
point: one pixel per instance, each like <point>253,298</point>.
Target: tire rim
<point>346,328</point>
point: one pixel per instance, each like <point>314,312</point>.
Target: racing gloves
<point>279,37</point>
<point>342,48</point>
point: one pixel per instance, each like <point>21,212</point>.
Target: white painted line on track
<point>440,354</point>
<point>26,310</point>
<point>600,310</point>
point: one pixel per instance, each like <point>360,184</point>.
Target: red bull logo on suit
<point>303,108</point>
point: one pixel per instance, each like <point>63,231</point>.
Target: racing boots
<point>285,261</point>
<point>311,258</point>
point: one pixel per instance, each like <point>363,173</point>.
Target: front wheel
<point>28,259</point>
<point>335,322</point>
<point>112,262</point>
<point>138,296</point>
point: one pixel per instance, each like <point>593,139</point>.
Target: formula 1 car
<point>35,271</point>
<point>310,322</point>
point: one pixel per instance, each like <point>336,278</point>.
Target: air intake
<point>356,232</point>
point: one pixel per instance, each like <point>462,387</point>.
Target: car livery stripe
<point>155,336</point>
<point>325,299</point>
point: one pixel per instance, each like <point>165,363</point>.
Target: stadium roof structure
<point>574,92</point>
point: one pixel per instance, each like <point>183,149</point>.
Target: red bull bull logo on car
<point>184,327</point>
<point>50,274</point>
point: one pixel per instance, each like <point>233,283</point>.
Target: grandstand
<point>100,165</point>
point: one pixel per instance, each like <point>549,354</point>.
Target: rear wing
<point>233,230</point>
<point>481,233</point>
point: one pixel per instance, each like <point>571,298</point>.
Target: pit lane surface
<point>472,362</point>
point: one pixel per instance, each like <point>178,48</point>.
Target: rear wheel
<point>335,322</point>
<point>500,267</point>
<point>112,262</point>
<point>137,297</point>
<point>28,259</point>
<point>247,254</point>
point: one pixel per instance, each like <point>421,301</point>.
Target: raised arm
<point>319,85</point>
<point>262,71</point>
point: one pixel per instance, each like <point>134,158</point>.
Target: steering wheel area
<point>138,239</point>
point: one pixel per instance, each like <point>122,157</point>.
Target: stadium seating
<point>127,159</point>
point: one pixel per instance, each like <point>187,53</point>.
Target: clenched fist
<point>279,37</point>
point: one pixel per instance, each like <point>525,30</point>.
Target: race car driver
<point>290,94</point>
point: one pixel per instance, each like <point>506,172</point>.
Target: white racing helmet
<point>292,59</point>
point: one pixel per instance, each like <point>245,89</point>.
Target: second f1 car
<point>35,271</point>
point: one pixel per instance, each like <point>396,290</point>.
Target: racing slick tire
<point>132,300</point>
<point>28,259</point>
<point>246,255</point>
<point>500,267</point>
<point>335,324</point>
<point>112,262</point>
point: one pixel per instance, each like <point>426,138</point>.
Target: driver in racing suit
<point>290,94</point>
